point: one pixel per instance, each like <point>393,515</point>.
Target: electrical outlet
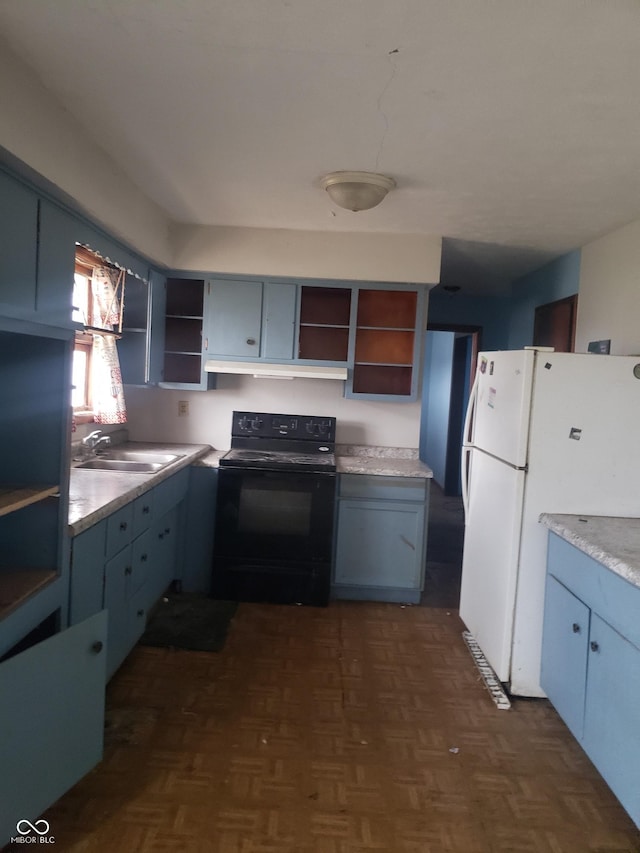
<point>183,408</point>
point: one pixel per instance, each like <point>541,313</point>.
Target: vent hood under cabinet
<point>279,371</point>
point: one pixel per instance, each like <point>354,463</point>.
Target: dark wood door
<point>555,324</point>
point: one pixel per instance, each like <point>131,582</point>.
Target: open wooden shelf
<point>13,498</point>
<point>16,585</point>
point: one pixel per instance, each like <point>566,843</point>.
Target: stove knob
<point>243,423</point>
<point>256,423</point>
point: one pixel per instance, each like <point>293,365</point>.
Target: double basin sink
<point>134,461</point>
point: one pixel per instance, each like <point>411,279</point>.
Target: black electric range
<point>275,510</point>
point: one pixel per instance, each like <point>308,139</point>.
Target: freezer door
<point>500,421</point>
<point>490,557</point>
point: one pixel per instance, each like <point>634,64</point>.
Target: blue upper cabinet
<point>185,308</point>
<point>251,320</point>
<point>386,343</point>
<point>56,264</point>
<point>374,330</point>
<point>18,248</point>
<point>235,318</point>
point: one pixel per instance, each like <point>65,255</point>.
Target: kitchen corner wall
<point>153,412</point>
<point>609,300</point>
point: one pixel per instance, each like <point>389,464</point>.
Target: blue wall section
<point>490,312</point>
<point>556,280</point>
<point>436,398</point>
<point>507,321</point>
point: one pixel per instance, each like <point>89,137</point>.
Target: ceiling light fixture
<point>356,190</point>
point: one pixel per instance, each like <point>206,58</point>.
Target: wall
<point>492,313</point>
<point>609,302</point>
<point>35,129</point>
<point>45,137</point>
<point>153,412</point>
<point>436,399</point>
<point>413,258</point>
<point>553,281</point>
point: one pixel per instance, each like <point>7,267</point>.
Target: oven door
<point>274,535</point>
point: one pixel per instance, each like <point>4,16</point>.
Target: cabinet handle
<point>145,510</point>
<point>595,647</point>
<point>143,558</point>
<point>97,647</point>
<point>141,612</point>
<point>575,628</point>
<point>160,535</point>
<point>123,525</point>
<point>251,341</point>
<point>127,570</point>
<point>167,530</point>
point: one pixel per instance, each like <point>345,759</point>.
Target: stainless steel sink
<point>134,461</point>
<point>118,455</point>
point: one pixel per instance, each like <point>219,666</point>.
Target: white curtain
<point>108,395</point>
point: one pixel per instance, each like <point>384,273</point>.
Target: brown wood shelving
<point>13,498</point>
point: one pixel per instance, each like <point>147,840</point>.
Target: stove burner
<point>287,442</point>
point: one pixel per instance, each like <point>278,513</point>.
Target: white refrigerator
<point>545,432</point>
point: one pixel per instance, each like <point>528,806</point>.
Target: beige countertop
<point>93,495</point>
<point>614,542</point>
<point>381,461</point>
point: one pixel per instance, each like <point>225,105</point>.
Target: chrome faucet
<point>95,441</point>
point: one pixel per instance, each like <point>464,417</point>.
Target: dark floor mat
<point>188,621</point>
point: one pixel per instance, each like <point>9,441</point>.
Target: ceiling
<point>512,129</point>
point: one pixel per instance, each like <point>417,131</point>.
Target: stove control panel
<point>299,427</point>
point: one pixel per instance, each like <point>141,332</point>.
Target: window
<point>97,299</point>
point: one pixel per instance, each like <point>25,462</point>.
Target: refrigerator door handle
<point>466,448</point>
<point>471,408</point>
<point>464,472</point>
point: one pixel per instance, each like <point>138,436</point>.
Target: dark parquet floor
<point>350,729</point>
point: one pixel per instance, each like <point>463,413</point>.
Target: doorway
<point>554,324</point>
<point>450,355</point>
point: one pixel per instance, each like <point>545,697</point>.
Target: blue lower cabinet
<point>564,653</point>
<point>117,585</point>
<point>612,712</point>
<point>52,720</point>
<point>381,538</point>
<point>125,562</point>
<point>591,664</point>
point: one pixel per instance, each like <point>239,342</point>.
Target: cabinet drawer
<point>372,487</point>
<point>142,513</point>
<point>119,530</point>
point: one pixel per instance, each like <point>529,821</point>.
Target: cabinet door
<point>380,544</point>
<point>199,523</point>
<point>279,319</point>
<point>565,641</point>
<point>235,318</point>
<point>134,345</point>
<point>18,245</point>
<point>612,712</point>
<point>141,559</point>
<point>52,720</point>
<point>388,344</point>
<point>184,330</point>
<point>87,573</point>
<point>56,265</point>
<point>117,578</point>
<point>157,314</point>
